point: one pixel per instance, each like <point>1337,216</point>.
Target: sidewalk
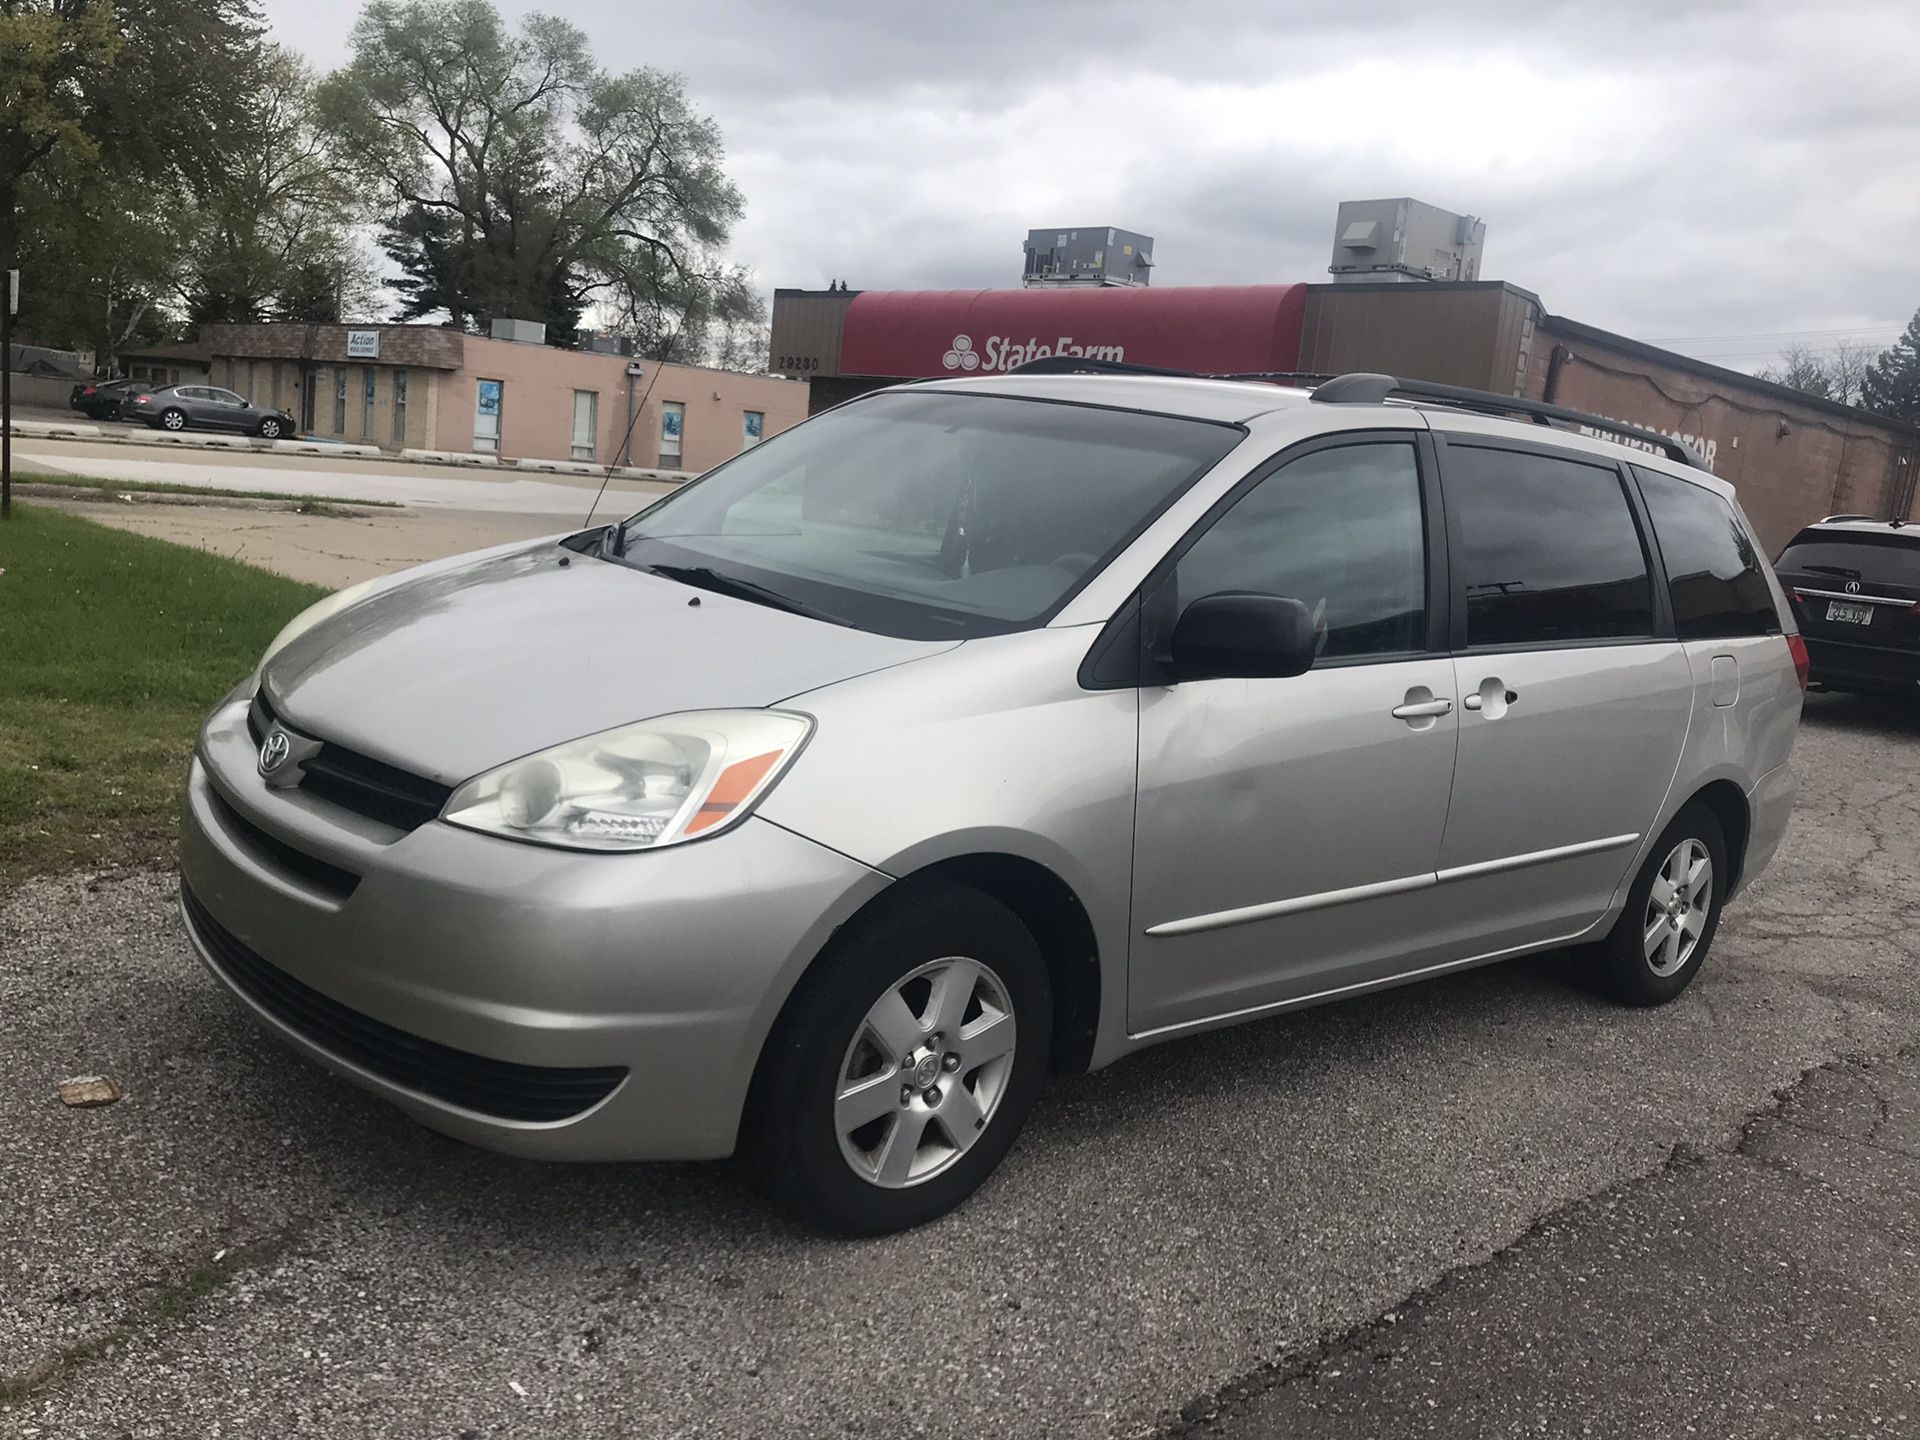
<point>1770,1291</point>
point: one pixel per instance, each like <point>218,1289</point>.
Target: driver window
<point>1339,530</point>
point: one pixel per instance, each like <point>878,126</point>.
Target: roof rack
<point>1832,518</point>
<point>1083,365</point>
<point>1362,388</point>
<point>1366,388</point>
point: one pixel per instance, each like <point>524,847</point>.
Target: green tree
<point>102,260</point>
<point>140,87</point>
<point>518,179</point>
<point>270,230</point>
<point>1892,382</point>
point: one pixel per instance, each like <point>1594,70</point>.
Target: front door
<point>1287,830</point>
<point>1575,699</point>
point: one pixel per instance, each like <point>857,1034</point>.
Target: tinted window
<point>1871,559</point>
<point>1547,549</point>
<point>1713,571</point>
<point>1338,530</point>
<point>931,514</point>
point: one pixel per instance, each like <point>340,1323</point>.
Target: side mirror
<point>1242,636</point>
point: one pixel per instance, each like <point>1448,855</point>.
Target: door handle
<point>1422,709</point>
<point>1491,699</point>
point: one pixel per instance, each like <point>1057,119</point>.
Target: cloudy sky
<point>1721,177</point>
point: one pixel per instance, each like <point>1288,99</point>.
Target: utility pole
<point>6,393</point>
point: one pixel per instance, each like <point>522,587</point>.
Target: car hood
<point>459,667</point>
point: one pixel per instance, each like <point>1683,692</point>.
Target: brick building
<point>1792,457</point>
<point>425,387</point>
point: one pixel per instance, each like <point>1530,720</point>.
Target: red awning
<point>1222,328</point>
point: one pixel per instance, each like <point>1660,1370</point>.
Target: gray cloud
<point>1667,169</point>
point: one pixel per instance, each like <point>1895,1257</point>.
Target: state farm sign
<point>931,333</point>
<point>1003,352</point>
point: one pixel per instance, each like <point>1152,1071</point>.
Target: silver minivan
<point>984,729</point>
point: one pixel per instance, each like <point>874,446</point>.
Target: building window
<point>368,388</point>
<point>586,414</point>
<point>339,399</point>
<point>751,425</point>
<point>489,400</point>
<point>673,424</point>
<point>399,407</point>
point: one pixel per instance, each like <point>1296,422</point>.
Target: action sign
<point>13,292</point>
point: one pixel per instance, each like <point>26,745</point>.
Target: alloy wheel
<point>1677,907</point>
<point>927,1069</point>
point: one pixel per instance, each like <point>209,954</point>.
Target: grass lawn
<point>163,487</point>
<point>113,647</point>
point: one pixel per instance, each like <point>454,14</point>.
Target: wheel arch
<point>1060,926</point>
<point>1728,802</point>
<point>1040,900</point>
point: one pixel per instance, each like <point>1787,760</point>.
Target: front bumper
<point>669,967</point>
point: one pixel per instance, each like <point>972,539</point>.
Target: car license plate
<point>1849,612</point>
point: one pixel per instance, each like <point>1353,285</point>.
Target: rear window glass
<point>1713,571</point>
<point>1870,559</point>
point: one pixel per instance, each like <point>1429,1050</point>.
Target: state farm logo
<point>1003,352</point>
<point>961,356</point>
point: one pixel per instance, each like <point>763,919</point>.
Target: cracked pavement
<point>1557,1199</point>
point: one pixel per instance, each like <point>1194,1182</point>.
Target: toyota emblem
<point>1853,587</point>
<point>274,751</point>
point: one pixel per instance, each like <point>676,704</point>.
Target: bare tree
<point>1847,364</point>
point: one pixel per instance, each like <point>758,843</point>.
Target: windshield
<point>930,514</point>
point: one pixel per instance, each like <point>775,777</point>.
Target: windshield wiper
<point>705,577</point>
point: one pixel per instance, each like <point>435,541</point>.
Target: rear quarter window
<point>1713,571</point>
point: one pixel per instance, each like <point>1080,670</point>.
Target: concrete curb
<point>325,447</point>
<point>559,467</point>
<point>54,430</point>
<point>39,487</point>
<point>329,449</point>
<point>447,457</point>
<point>202,442</point>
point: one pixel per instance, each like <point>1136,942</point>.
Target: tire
<point>925,947</point>
<point>1639,965</point>
<point>270,428</point>
<point>173,420</point>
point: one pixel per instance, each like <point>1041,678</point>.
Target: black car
<point>105,399</point>
<point>1855,586</point>
<point>208,407</point>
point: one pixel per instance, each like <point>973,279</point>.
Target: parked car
<point>208,407</point>
<point>1855,586</point>
<point>105,399</point>
<point>984,729</point>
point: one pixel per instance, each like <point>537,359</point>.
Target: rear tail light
<point>87,390</point>
<point>1798,649</point>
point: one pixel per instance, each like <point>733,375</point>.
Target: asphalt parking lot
<point>245,1246</point>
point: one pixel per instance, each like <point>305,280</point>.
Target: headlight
<point>310,617</point>
<point>681,777</point>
